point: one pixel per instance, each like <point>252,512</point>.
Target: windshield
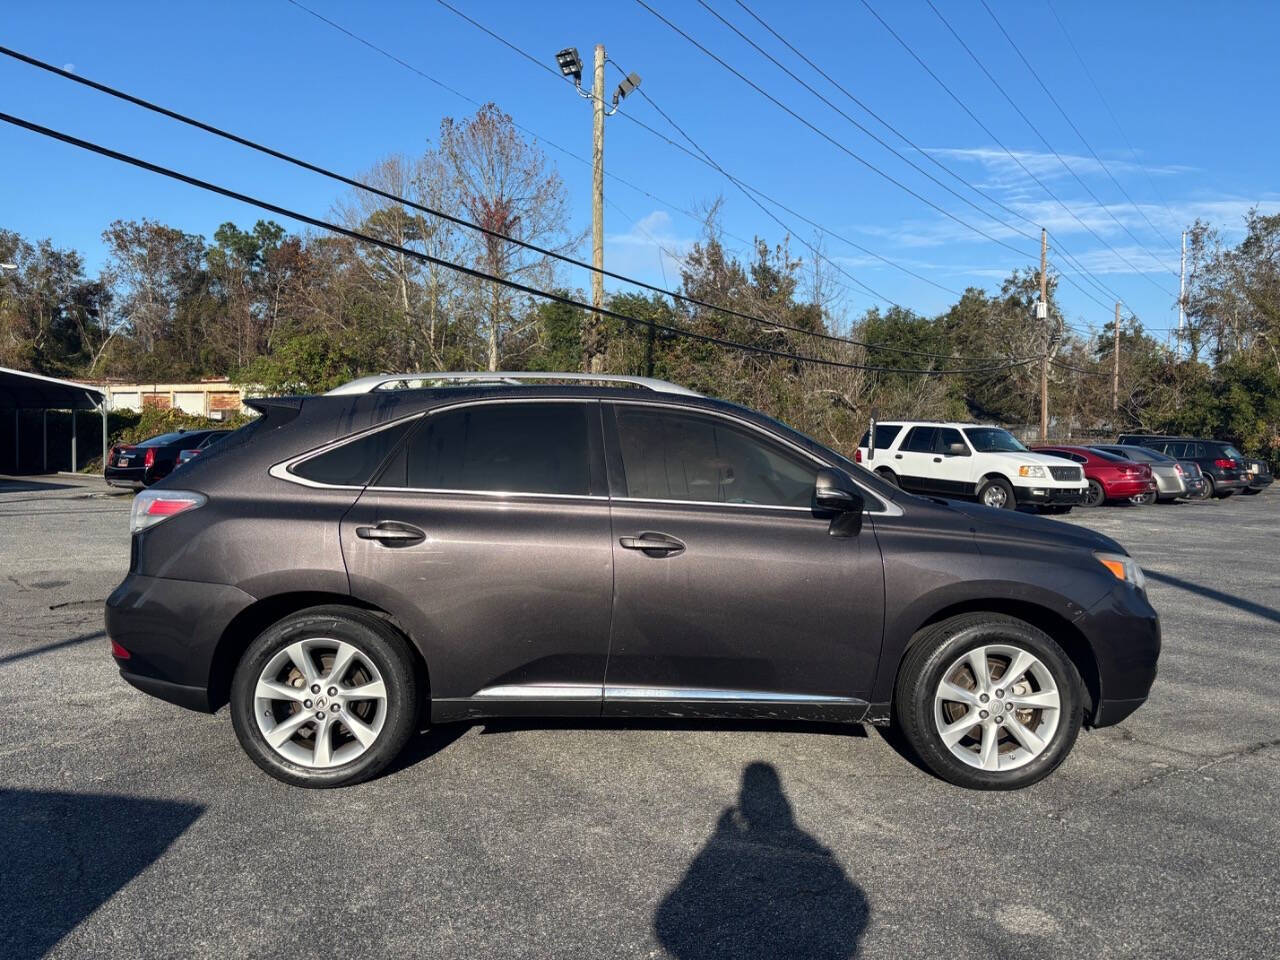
<point>993,440</point>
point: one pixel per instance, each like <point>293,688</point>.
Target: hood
<point>1030,456</point>
<point>991,522</point>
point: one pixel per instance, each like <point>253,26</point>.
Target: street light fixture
<point>570,64</point>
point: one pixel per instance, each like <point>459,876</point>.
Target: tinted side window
<point>352,464</point>
<point>945,438</point>
<point>674,456</point>
<point>920,440</point>
<point>493,447</point>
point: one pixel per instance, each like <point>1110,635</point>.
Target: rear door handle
<point>937,459</point>
<point>392,533</point>
<point>654,544</point>
<point>897,456</point>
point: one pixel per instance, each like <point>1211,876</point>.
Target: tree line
<point>300,312</point>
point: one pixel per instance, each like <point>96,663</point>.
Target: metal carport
<point>21,391</point>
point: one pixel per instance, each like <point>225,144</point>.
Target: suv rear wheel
<point>988,701</point>
<point>325,697</point>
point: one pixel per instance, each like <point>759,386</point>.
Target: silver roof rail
<point>426,381</point>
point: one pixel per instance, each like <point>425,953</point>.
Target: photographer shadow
<point>762,888</point>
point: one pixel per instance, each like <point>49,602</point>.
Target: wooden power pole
<point>1115,365</point>
<point>1043,314</point>
<point>594,354</point>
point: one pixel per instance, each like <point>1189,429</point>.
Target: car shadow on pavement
<point>48,647</point>
<point>761,887</point>
<point>19,485</point>
<point>66,854</point>
<point>1230,599</point>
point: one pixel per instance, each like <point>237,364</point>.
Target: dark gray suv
<point>349,567</point>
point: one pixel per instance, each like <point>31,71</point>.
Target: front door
<point>731,597</point>
<point>488,536</point>
<point>952,470</point>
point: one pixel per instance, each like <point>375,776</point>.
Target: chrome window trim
<point>891,509</point>
<point>283,469</point>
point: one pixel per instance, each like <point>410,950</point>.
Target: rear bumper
<point>1049,495</point>
<point>1260,481</point>
<point>131,478</point>
<point>171,629</point>
<point>1123,489</point>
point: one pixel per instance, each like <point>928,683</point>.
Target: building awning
<point>31,391</point>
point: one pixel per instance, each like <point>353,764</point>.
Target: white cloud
<point>649,248</point>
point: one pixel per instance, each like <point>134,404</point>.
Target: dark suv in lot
<point>351,565</point>
<point>1223,466</point>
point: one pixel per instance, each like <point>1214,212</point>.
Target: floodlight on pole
<point>628,85</point>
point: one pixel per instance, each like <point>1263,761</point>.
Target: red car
<point>1110,477</point>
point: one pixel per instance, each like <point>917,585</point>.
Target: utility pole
<point>1042,312</point>
<point>1182,291</point>
<point>1115,365</point>
<point>592,355</point>
<point>570,64</point>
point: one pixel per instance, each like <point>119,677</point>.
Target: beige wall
<point>215,400</point>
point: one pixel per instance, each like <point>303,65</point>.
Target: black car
<point>348,566</point>
<point>1222,464</point>
<point>190,453</point>
<point>138,465</point>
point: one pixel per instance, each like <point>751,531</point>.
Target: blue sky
<point>1184,80</point>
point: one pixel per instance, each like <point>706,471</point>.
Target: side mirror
<point>833,492</point>
<point>957,450</point>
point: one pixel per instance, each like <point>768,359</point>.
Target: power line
<point>702,157</point>
<point>830,139</point>
<point>693,217</point>
<point>460,268</point>
<point>1048,146</point>
<point>1071,123</point>
<point>459,221</point>
<point>1111,113</point>
<point>1012,156</point>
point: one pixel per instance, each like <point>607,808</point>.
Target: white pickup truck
<point>973,461</point>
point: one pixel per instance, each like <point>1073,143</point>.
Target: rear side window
<point>352,464</point>
<point>1172,449</point>
<point>886,433</point>
<point>675,456</point>
<point>500,447</point>
<point>945,438</point>
<point>920,440</point>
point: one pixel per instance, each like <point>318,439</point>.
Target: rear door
<point>913,461</point>
<point>488,535</point>
<point>747,604</point>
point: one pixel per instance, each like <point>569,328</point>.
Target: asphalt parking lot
<point>132,828</point>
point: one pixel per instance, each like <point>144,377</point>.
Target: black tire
<point>1144,499</point>
<point>888,476</point>
<point>934,650</point>
<point>1095,496</point>
<point>375,640</point>
<point>993,484</point>
<point>1251,491</point>
<point>1210,488</point>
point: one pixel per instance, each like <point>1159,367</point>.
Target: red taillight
<point>1222,464</point>
<point>119,652</point>
<point>155,506</point>
<point>150,459</point>
<point>857,456</point>
<point>1178,469</point>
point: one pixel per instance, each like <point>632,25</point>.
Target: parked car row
<point>989,464</point>
<point>139,465</point>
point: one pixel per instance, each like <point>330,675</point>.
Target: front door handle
<point>653,544</point>
<point>391,533</point>
<point>937,459</point>
<point>897,456</point>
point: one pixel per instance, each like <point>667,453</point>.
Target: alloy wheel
<point>320,702</point>
<point>997,707</point>
<point>994,496</point>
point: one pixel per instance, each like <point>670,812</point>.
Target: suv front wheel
<point>988,701</point>
<point>325,697</point>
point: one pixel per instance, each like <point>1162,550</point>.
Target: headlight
<point>1123,568</point>
<point>1030,470</point>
